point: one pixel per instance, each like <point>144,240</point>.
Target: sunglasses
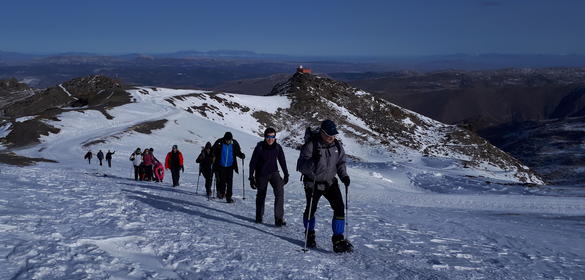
<point>270,136</point>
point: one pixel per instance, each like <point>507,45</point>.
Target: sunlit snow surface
<point>419,218</point>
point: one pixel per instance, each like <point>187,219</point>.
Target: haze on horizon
<point>335,28</point>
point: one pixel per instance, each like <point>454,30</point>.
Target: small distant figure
<point>100,156</point>
<point>147,164</point>
<point>109,158</point>
<point>158,171</point>
<point>174,162</point>
<point>136,159</point>
<point>88,156</point>
<point>205,160</point>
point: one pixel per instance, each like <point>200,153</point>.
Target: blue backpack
<point>227,155</point>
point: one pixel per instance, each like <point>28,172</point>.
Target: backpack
<point>312,135</point>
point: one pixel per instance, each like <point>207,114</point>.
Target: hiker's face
<point>327,138</point>
<point>270,138</point>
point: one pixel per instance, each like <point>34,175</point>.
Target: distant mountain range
<point>208,69</point>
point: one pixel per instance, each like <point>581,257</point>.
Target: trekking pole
<point>243,181</point>
<point>197,189</point>
<point>309,214</point>
<point>214,191</point>
<point>346,209</point>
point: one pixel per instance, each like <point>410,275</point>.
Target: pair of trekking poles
<point>243,182</point>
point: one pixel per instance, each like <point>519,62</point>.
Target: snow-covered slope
<point>412,217</point>
<point>372,129</point>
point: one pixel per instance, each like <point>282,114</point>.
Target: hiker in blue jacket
<point>263,170</point>
<point>225,151</point>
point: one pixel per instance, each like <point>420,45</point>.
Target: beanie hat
<point>269,130</point>
<point>329,127</point>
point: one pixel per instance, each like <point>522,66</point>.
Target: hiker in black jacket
<point>109,157</point>
<point>205,160</point>
<point>225,150</point>
<point>100,156</point>
<point>263,169</point>
<point>88,156</point>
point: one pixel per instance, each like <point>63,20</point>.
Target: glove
<point>243,156</point>
<point>252,183</point>
<point>285,180</point>
<point>345,181</point>
<point>183,169</point>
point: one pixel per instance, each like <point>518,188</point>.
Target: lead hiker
<point>321,158</point>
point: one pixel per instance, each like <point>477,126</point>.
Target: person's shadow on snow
<point>173,204</point>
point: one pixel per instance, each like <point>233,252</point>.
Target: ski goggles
<point>270,136</point>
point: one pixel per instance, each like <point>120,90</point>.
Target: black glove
<point>243,156</point>
<point>182,168</point>
<point>345,181</point>
<point>252,183</point>
<point>316,156</point>
<point>285,180</point>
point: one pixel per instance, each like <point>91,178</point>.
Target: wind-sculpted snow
<point>417,218</point>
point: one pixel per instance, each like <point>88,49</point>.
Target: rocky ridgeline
<point>88,93</point>
<point>93,92</point>
<point>374,121</point>
<point>11,91</point>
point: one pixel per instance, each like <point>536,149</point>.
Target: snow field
<point>408,219</point>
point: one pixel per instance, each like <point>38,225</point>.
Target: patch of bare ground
<point>27,133</point>
<point>14,159</point>
<point>148,127</point>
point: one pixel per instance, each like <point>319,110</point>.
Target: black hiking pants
<point>176,174</point>
<point>225,182</point>
<point>136,172</point>
<point>208,181</point>
<point>100,161</point>
<point>278,187</point>
<point>109,162</point>
<point>332,194</point>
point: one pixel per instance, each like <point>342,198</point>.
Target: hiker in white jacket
<point>136,159</point>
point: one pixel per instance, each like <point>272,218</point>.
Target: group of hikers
<point>146,166</point>
<point>321,159</point>
<point>100,156</point>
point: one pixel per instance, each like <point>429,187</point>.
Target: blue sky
<point>296,27</point>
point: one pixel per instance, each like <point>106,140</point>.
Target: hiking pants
<point>226,177</point>
<point>278,187</point>
<point>176,174</point>
<point>208,180</point>
<point>332,194</point>
<point>136,172</point>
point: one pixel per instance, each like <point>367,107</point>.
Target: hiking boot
<point>341,245</point>
<point>311,243</point>
<point>220,196</point>
<point>258,220</point>
<point>229,200</point>
<point>279,223</point>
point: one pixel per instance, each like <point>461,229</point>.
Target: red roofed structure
<point>303,70</point>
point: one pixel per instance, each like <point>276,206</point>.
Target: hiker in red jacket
<point>174,162</point>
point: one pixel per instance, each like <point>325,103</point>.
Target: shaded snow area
<point>423,218</point>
